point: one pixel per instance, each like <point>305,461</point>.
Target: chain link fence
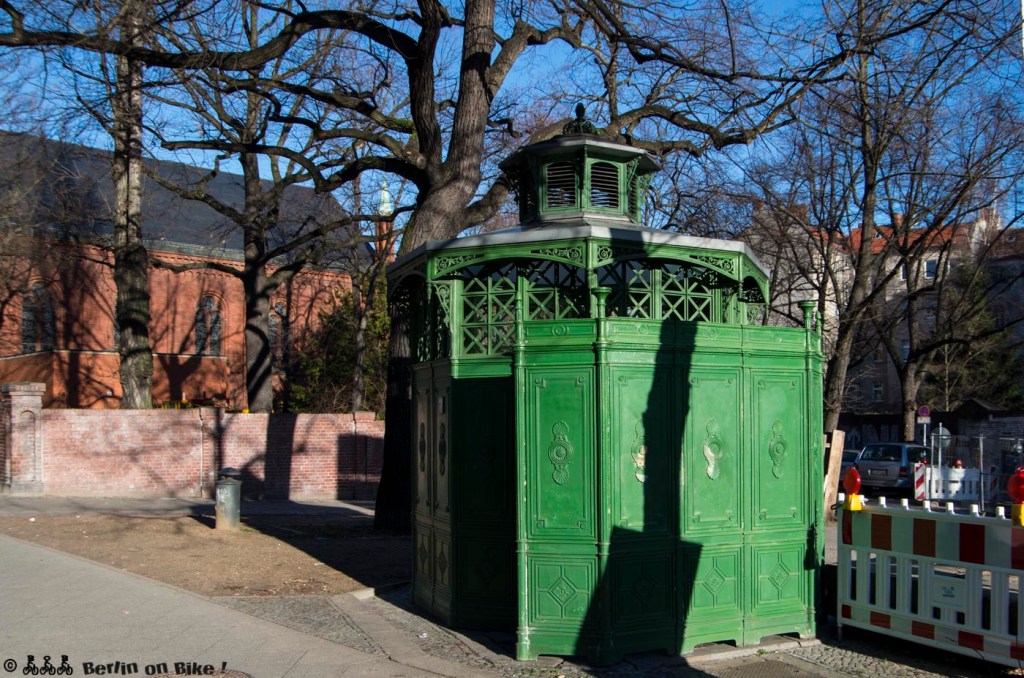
<point>996,458</point>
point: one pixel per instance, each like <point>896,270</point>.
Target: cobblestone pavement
<point>316,615</point>
<point>859,654</point>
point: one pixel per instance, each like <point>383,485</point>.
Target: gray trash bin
<point>229,499</point>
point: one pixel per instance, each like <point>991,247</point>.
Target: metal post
<point>981,470</point>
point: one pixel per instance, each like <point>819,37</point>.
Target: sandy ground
<point>269,555</point>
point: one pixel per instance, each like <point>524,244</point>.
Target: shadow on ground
<point>342,540</point>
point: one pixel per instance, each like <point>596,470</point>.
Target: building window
<point>905,349</point>
<point>38,321</point>
<point>280,336</point>
<point>877,393</point>
<point>931,267</point>
<point>208,327</point>
<point>903,272</point>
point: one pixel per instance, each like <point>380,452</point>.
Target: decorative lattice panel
<point>488,310</point>
<point>440,320</point>
<point>632,289</point>
<point>685,296</point>
<point>419,318</point>
<point>555,291</point>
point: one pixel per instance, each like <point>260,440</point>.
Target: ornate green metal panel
<point>714,455</point>
<point>641,423</point>
<point>779,492</point>
<point>560,481</point>
<point>558,599</point>
<point>423,547</point>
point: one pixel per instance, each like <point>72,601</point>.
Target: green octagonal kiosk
<point>611,452</point>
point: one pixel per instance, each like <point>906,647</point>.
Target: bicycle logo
<point>47,669</point>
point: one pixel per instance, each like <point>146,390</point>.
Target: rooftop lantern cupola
<point>579,174</point>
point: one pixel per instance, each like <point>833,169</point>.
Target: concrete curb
<point>368,593</point>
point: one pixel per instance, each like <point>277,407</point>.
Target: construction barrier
<point>941,579</point>
<point>946,484</point>
<point>920,481</point>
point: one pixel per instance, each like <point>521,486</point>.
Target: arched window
<point>280,336</point>
<point>38,322</point>
<point>208,327</point>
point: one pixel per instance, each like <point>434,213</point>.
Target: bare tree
<point>872,144</point>
<point>678,78</point>
<point>131,261</point>
<point>282,230</point>
<point>944,181</point>
<point>119,111</point>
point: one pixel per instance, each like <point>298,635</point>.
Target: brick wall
<point>178,452</point>
<point>5,460</point>
<point>311,455</point>
<point>1001,427</point>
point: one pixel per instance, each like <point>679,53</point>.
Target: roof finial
<point>580,125</point>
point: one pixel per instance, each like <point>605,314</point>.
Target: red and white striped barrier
<point>946,484</point>
<point>938,579</point>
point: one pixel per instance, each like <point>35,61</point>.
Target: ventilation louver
<point>561,185</point>
<point>604,185</point>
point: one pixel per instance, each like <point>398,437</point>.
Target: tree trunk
<point>835,382</point>
<point>910,384</point>
<point>360,311</point>
<point>131,262</point>
<point>259,363</point>
<point>257,288</point>
<point>839,365</point>
<point>394,496</point>
<point>441,214</point>
<point>434,220</point>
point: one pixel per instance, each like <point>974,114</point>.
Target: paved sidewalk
<point>55,604</point>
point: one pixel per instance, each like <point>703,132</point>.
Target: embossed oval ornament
<point>639,453</point>
<point>777,449</point>
<point>560,452</point>
<point>712,449</point>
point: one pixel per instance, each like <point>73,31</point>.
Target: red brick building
<point>57,312</point>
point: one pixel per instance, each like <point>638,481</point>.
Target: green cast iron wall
<point>666,483</point>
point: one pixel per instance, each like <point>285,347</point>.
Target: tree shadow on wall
<point>264,477</point>
<point>340,537</point>
<point>642,596</point>
<point>358,465</point>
